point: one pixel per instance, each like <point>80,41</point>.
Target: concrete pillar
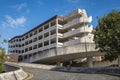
<point>59,64</point>
<point>56,36</point>
<point>119,61</point>
<point>90,61</point>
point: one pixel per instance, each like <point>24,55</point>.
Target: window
<point>19,39</point>
<point>19,51</point>
<point>35,39</point>
<point>35,32</point>
<point>22,38</point>
<point>16,40</point>
<point>31,34</point>
<point>41,29</point>
<point>52,32</point>
<point>52,41</point>
<point>22,51</point>
<point>35,47</point>
<point>40,45</point>
<point>46,43</point>
<point>53,23</point>
<point>30,48</point>
<point>46,34</point>
<point>22,45</point>
<point>30,41</point>
<point>40,37</point>
<point>26,36</point>
<point>26,43</point>
<point>19,45</point>
<point>46,27</point>
<point>26,49</point>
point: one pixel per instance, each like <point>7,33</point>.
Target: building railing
<point>77,21</point>
<point>77,31</point>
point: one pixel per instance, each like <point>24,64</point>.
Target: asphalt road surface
<point>40,74</point>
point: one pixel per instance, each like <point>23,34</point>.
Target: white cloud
<point>21,7</point>
<point>14,22</point>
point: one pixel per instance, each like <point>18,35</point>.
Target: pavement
<point>41,74</point>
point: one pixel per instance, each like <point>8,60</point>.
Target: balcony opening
<point>22,51</point>
<point>61,22</point>
<point>26,43</point>
<point>30,41</point>
<point>40,37</point>
<point>46,26</point>
<point>46,43</point>
<point>46,34</point>
<point>16,45</point>
<point>52,32</point>
<point>35,39</point>
<point>35,46</point>
<point>19,45</point>
<point>53,23</point>
<point>41,29</point>
<point>26,36</point>
<point>22,38</point>
<point>52,41</point>
<point>30,48</point>
<point>16,40</point>
<point>19,39</point>
<point>31,34</point>
<point>22,45</point>
<point>26,49</point>
<point>16,51</point>
<point>35,32</point>
<point>39,45</point>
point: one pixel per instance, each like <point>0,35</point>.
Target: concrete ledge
<point>41,66</point>
<point>115,71</point>
<point>16,73</point>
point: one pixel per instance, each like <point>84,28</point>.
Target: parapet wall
<point>12,72</point>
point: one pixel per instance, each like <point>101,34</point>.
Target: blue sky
<point>19,16</point>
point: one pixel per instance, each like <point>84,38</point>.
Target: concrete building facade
<point>55,37</point>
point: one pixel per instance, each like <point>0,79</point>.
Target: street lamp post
<point>89,59</point>
<point>84,32</point>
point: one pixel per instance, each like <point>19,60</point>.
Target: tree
<point>107,35</point>
<point>2,58</point>
<point>2,54</point>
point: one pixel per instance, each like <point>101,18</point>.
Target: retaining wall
<point>101,70</point>
<point>12,72</point>
<point>115,71</point>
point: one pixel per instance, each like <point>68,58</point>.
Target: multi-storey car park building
<point>59,39</point>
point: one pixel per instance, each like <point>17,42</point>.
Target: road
<point>40,74</point>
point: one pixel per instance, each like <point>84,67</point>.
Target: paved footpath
<point>40,74</point>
